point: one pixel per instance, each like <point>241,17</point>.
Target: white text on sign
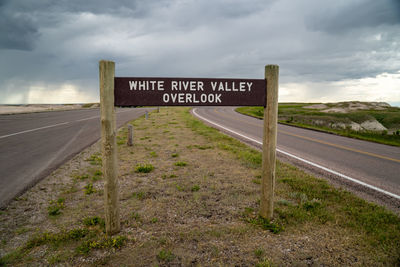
<point>190,86</point>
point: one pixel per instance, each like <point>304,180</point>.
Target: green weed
<point>265,263</point>
<point>81,177</point>
<point>144,168</point>
<point>179,188</point>
<point>165,255</point>
<point>195,188</point>
<point>55,207</point>
<point>12,257</point>
<point>204,147</point>
<point>88,189</point>
<point>180,163</point>
<point>55,238</point>
<point>139,195</point>
<point>259,253</point>
<point>165,176</point>
<point>265,224</point>
<point>95,159</point>
<point>97,175</point>
<point>107,242</point>
<point>93,221</point>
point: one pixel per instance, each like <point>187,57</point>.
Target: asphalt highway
<point>33,145</point>
<point>375,165</point>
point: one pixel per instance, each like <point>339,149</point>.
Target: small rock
<point>373,125</point>
<point>339,125</point>
<point>355,126</point>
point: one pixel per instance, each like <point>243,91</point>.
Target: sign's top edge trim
<point>191,78</point>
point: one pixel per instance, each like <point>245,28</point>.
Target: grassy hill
<point>372,121</point>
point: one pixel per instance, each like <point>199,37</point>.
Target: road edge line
<point>54,125</point>
<point>33,130</point>
<point>303,160</point>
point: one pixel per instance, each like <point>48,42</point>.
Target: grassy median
<point>189,195</point>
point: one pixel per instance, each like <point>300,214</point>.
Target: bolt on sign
<point>189,92</point>
<point>126,91</point>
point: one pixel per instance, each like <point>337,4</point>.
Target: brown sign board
<point>189,92</point>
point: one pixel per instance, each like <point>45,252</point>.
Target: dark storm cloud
<point>60,42</point>
<point>74,6</point>
<point>18,30</point>
<point>360,14</point>
<point>20,21</point>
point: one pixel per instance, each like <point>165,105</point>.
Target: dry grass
<point>197,213</point>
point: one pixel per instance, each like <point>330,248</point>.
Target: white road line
<point>94,117</point>
<point>54,125</point>
<point>32,130</point>
<point>303,160</point>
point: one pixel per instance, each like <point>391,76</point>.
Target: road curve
<point>32,145</point>
<point>375,165</point>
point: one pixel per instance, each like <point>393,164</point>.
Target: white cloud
<point>384,87</point>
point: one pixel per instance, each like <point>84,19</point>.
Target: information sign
<point>189,92</point>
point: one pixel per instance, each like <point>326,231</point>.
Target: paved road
<point>32,145</point>
<point>375,164</point>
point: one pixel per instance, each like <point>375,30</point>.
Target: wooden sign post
<point>269,142</point>
<point>109,146</point>
<point>134,91</point>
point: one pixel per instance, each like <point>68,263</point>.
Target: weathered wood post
<point>269,142</point>
<point>130,135</point>
<point>109,146</point>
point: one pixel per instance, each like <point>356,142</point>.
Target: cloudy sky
<point>327,50</point>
